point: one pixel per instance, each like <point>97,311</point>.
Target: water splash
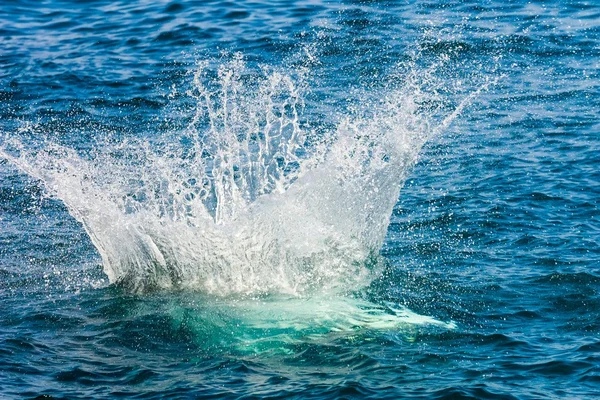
<point>248,197</point>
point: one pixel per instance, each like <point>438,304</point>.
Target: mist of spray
<point>249,197</point>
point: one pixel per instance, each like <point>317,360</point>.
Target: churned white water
<point>249,197</point>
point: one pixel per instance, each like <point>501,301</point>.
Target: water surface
<point>299,199</point>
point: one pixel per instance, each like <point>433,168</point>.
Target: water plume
<point>249,196</point>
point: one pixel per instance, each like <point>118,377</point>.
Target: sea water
<point>349,199</point>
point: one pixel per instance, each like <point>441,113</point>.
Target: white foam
<point>249,198</point>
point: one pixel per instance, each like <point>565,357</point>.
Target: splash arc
<point>248,197</point>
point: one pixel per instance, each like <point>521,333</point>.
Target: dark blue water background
<point>497,228</point>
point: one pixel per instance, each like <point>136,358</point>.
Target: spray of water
<point>248,197</point>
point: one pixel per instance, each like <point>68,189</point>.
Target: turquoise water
<point>299,199</point>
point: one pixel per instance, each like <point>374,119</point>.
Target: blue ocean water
<point>318,199</point>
